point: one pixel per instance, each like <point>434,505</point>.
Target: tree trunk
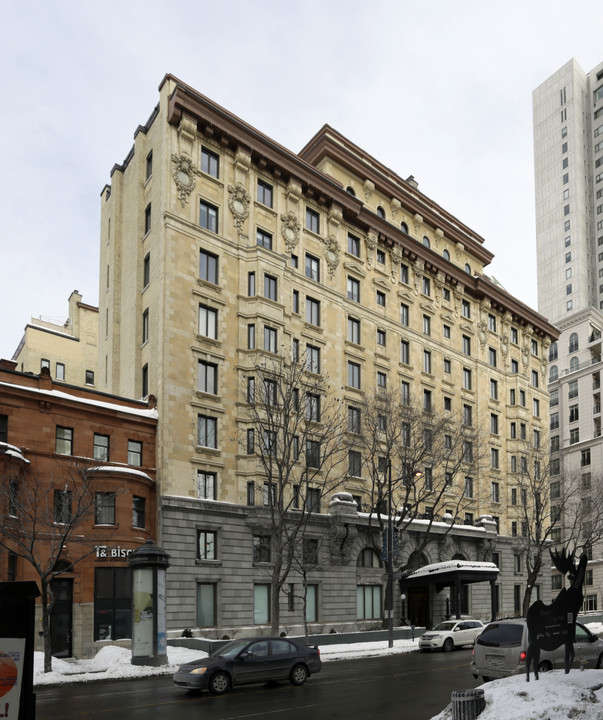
<point>47,603</point>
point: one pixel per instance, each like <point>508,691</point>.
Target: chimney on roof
<point>411,181</point>
<point>7,364</point>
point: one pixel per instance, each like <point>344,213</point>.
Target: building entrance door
<point>418,606</point>
<point>61,617</point>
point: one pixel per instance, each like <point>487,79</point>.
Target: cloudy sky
<point>440,90</point>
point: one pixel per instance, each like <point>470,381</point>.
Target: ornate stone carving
<point>439,236</point>
<point>341,541</point>
<point>395,206</point>
<point>459,292</point>
<point>459,249</point>
<point>504,345</point>
<point>238,202</point>
<point>439,285</point>
<point>243,160</point>
<point>290,227</point>
<point>335,215</point>
<point>396,255</point>
<point>187,132</point>
<point>369,187</point>
<point>294,190</point>
<point>332,251</point>
<point>184,174</point>
<point>482,333</point>
<point>418,267</point>
<point>417,222</point>
<point>371,240</point>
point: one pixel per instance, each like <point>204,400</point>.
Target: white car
<point>450,634</point>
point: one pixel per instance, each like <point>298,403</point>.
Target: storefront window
<point>112,603</point>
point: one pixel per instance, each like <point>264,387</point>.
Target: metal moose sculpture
<point>550,626</point>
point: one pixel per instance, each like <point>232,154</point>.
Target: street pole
<point>390,561</point>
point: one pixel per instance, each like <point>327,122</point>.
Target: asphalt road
<point>415,686</point>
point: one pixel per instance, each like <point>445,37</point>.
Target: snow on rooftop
<point>119,468</point>
<point>451,566</point>
<point>115,406</point>
<point>13,451</point>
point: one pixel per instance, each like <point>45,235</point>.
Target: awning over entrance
<point>454,574</point>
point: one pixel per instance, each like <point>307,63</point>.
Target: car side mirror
<point>244,655</point>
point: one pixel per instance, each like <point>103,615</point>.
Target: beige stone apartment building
<point>69,350</point>
<point>221,249</point>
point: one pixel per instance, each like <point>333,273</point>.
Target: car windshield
<point>231,649</point>
<point>444,626</point>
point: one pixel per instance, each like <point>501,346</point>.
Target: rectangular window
<point>468,490</point>
<point>270,287</point>
<point>380,298</point>
<point>466,345</point>
<point>447,366</point>
<point>353,245</point>
<point>426,286</point>
<point>251,336</point>
<point>354,330</point>
<point>210,162</point>
<point>147,219</point>
<point>494,424</point>
<point>264,239</point>
<point>446,331</point>
<point>261,548</point>
<point>381,380</point>
<point>60,371</point>
<point>312,220</point>
<point>139,512</point>
<point>104,508</point>
<point>495,492</point>
<point>313,407</point>
<point>353,289</point>
<point>467,415</point>
<point>89,379</point>
<point>312,268</point>
<point>206,604</point>
<point>353,374</point>
<point>466,378</point>
<point>426,361</point>
<point>208,267</point>
<point>313,359</point>
<point>206,545</point>
<point>312,311</point>
<point>208,322</point>
<point>206,485</point>
<point>208,216</point>
<point>381,257</point>
<point>493,389</point>
<point>101,447</point>
<point>312,454</point>
<point>405,352</point>
<point>405,396</point>
<point>149,165</point>
<point>62,506</point>
<point>261,604</point>
<point>135,453</point>
<point>381,337</point>
<point>368,602</point>
<point>354,419</point>
<point>466,308</point>
<point>426,325</point>
<point>251,287</point>
<point>492,357</point>
<point>146,270</point>
<point>536,407</point>
<point>207,429</point>
<point>514,367</point>
<point>494,459</point>
<point>404,314</point>
<point>270,339</point>
<point>354,463</point>
<point>251,493</point>
<point>404,273</point>
<point>264,194</point>
<point>64,440</point>
<point>112,603</point>
<point>427,401</point>
<point>145,326</point>
<point>535,378</point>
<point>491,322</point>
<point>207,377</point>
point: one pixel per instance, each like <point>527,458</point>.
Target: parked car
<point>502,647</point>
<point>250,660</point>
<point>450,634</point>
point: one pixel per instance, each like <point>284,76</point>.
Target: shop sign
<point>12,651</point>
<point>112,552</point>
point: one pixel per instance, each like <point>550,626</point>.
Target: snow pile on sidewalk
<point>556,696</point>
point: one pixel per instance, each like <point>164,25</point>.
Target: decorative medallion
<point>184,174</point>
<point>238,202</point>
<point>332,254</point>
<point>504,344</point>
<point>371,240</point>
<point>290,228</point>
<point>482,331</point>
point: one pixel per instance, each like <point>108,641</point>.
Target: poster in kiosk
<point>149,637</point>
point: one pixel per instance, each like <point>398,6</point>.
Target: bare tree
<point>44,520</point>
<point>306,558</point>
<point>551,510</point>
<point>293,426</point>
<point>424,464</point>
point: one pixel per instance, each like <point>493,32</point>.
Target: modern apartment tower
<point>568,162</point>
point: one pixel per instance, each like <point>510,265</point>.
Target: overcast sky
<point>441,90</point>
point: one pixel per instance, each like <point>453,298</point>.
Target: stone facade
<point>207,229</point>
<point>68,350</point>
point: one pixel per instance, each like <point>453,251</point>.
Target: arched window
<point>417,560</point>
<point>446,255</point>
<point>574,364</point>
<point>468,268</point>
<point>553,351</point>
<point>573,342</point>
<point>350,190</point>
<point>426,241</point>
<point>404,227</point>
<point>553,373</point>
<point>368,558</point>
<point>380,212</point>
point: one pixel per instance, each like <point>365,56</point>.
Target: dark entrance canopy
<point>454,574</point>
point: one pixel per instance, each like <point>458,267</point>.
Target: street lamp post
<point>390,561</point>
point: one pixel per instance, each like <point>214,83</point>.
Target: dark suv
<point>502,647</point>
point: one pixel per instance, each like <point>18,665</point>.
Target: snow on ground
<point>555,696</point>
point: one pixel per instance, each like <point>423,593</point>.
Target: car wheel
<point>299,675</point>
<point>544,666</point>
<point>600,661</point>
<point>448,645</point>
<point>219,683</point>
